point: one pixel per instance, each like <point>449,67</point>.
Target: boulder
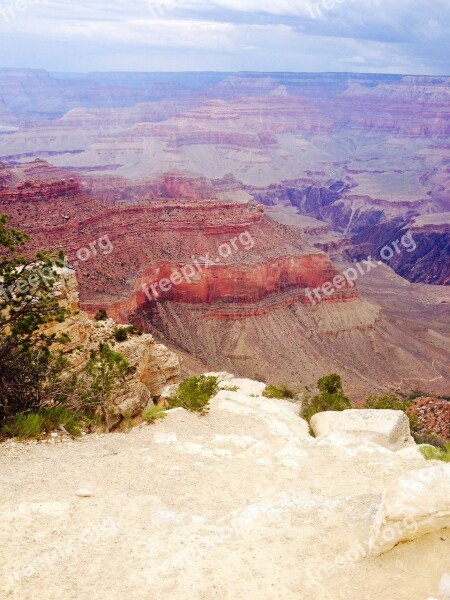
<point>416,504</point>
<point>387,428</point>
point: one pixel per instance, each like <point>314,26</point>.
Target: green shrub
<point>392,402</point>
<point>59,416</point>
<point>36,424</point>
<point>233,388</point>
<point>134,330</point>
<point>331,398</point>
<point>194,394</point>
<point>272,391</point>
<point>154,413</point>
<point>102,315</point>
<point>24,426</point>
<point>330,384</point>
<point>103,375</point>
<point>120,334</point>
<point>432,453</point>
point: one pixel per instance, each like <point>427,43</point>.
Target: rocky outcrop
<point>416,504</point>
<point>387,428</point>
<point>152,365</point>
<point>371,224</point>
<point>235,253</point>
<point>34,191</point>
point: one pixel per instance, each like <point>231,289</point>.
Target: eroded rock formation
<point>241,300</point>
<point>152,365</point>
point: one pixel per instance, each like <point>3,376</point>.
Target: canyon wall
<point>243,301</point>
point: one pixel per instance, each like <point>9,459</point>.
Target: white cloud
<point>281,34</point>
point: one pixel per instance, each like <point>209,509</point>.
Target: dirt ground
<point>238,504</point>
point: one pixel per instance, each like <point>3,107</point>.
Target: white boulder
<point>416,504</point>
<point>387,428</point>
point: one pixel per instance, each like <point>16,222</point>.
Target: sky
<point>370,36</point>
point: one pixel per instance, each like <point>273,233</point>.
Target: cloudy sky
<point>385,36</point>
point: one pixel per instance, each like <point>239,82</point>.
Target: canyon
<point>247,308</point>
<point>317,170</point>
<point>367,154</point>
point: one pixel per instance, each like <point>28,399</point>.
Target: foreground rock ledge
<point>416,504</point>
<point>239,504</point>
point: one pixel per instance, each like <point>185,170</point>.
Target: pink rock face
<point>235,283</point>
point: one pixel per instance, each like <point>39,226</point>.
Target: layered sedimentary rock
<point>238,255</point>
<point>221,282</point>
<point>372,224</point>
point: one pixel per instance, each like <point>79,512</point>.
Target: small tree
<point>101,315</point>
<point>332,397</point>
<point>104,371</point>
<point>331,384</point>
<point>27,303</point>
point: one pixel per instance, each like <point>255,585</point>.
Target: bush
<point>272,391</point>
<point>154,413</point>
<point>392,402</point>
<point>194,394</point>
<point>36,424</point>
<point>134,330</point>
<point>105,370</point>
<point>24,426</point>
<point>332,398</point>
<point>432,453</point>
<point>330,384</point>
<point>102,315</point>
<point>120,334</point>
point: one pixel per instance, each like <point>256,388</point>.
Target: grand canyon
<point>237,379</point>
<point>321,171</point>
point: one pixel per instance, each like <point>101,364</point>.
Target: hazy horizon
<point>219,72</point>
